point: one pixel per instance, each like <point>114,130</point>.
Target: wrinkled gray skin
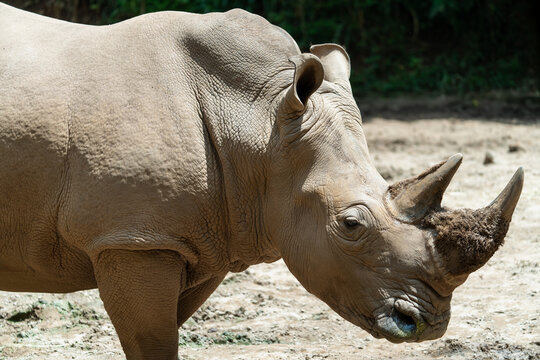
<point>151,157</point>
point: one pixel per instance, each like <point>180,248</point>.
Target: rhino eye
<point>354,219</point>
<point>351,223</point>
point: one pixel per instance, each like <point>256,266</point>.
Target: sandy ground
<point>263,313</point>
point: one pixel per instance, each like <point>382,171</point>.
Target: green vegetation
<point>65,308</point>
<point>224,338</point>
<point>396,46</point>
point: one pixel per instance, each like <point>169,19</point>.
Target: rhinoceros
<point>151,157</point>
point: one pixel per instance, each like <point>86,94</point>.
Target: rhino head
<point>385,257</point>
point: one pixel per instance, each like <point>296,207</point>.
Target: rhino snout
<point>403,321</point>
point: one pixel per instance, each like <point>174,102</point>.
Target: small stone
<point>515,148</point>
<point>489,158</point>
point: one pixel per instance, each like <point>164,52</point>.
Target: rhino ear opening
<point>336,62</point>
<point>308,76</point>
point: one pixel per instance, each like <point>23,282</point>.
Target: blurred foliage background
<point>396,46</point>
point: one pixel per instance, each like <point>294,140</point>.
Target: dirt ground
<point>263,313</point>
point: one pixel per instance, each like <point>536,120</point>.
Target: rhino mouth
<point>399,319</point>
<point>405,323</point>
<point>402,321</point>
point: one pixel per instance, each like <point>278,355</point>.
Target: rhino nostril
<point>404,322</point>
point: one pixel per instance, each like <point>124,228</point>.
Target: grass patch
<point>224,338</point>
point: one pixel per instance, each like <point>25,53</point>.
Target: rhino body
<point>132,137</point>
<point>151,157</point>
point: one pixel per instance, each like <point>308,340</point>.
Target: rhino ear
<point>308,76</point>
<point>335,60</point>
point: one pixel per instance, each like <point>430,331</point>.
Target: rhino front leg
<point>140,291</point>
<point>191,299</point>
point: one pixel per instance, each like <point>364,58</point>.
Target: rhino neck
<point>238,145</point>
<point>239,129</point>
<point>236,92</point>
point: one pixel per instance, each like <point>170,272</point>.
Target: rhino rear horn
<point>411,199</point>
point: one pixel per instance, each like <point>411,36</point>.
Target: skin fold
<point>151,157</point>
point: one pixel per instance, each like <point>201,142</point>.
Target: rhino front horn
<point>411,199</point>
<point>465,239</point>
<point>507,200</point>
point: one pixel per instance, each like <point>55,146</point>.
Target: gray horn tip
<point>456,157</point>
<point>453,162</point>
<point>516,183</point>
<point>520,174</point>
<point>507,200</point>
<point>450,167</point>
